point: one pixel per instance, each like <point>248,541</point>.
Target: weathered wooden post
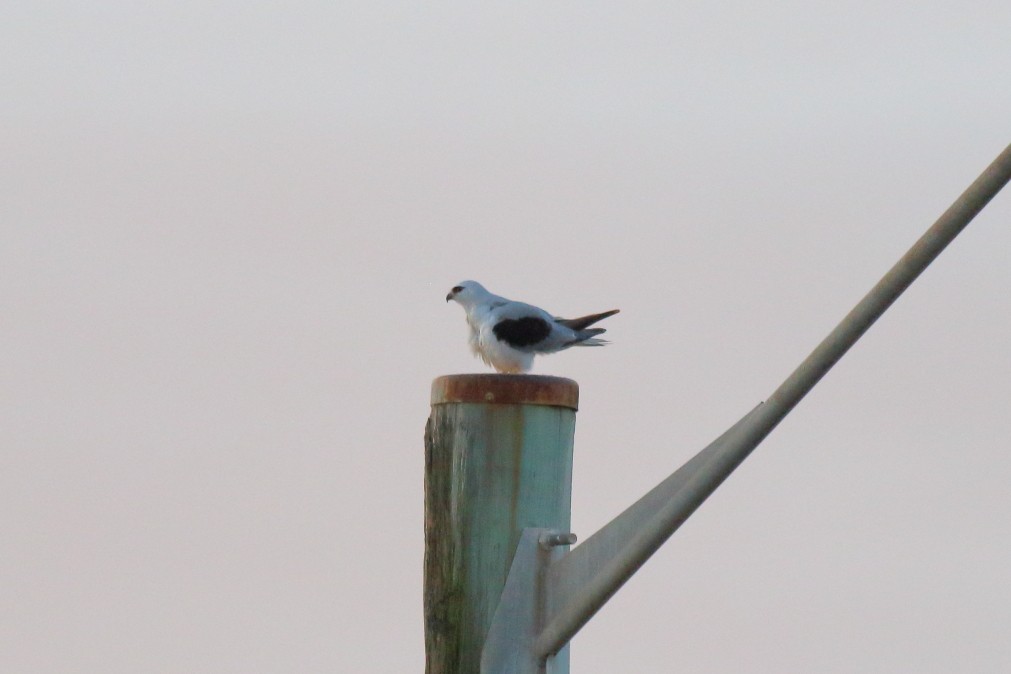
<point>498,459</point>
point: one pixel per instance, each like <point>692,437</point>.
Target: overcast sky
<point>226,233</point>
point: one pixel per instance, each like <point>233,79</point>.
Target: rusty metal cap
<point>506,389</point>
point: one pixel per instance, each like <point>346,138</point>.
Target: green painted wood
<point>491,469</point>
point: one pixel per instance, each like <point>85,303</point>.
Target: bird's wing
<point>521,333</point>
<point>521,326</point>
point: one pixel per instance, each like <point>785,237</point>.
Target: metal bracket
<point>519,617</point>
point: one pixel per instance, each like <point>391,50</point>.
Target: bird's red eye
<point>457,289</point>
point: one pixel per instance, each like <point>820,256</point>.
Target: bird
<point>507,335</point>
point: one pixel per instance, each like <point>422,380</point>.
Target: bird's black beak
<point>449,296</point>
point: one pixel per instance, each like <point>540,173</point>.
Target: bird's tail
<point>584,322</point>
<point>588,338</point>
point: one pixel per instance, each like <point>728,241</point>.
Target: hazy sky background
<point>226,233</point>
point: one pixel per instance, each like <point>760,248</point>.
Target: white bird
<point>507,335</point>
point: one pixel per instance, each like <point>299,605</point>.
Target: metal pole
<point>887,290</point>
<point>573,608</point>
<point>498,460</point>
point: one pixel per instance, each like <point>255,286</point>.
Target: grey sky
<point>226,233</point>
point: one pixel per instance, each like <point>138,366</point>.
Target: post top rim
<point>506,389</point>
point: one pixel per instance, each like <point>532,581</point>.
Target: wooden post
<point>498,458</point>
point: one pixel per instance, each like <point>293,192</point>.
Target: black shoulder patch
<point>521,332</point>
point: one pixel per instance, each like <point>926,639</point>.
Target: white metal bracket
<point>521,611</point>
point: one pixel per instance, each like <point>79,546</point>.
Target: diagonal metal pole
<point>582,581</point>
<point>887,290</point>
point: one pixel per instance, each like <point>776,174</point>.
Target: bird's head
<point>467,293</point>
